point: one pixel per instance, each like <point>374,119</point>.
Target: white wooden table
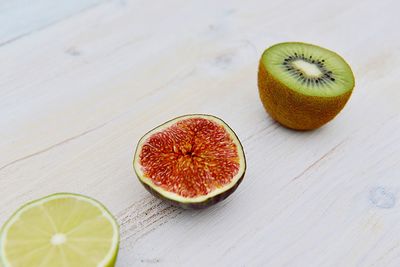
<point>82,80</point>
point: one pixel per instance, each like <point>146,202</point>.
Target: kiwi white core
<point>307,68</point>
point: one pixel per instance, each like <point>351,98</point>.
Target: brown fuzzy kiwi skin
<point>294,110</point>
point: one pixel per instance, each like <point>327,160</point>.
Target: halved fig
<point>192,161</point>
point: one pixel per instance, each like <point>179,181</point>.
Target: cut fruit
<point>60,230</point>
<point>303,86</point>
<point>192,161</point>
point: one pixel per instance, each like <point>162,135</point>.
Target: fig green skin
<point>194,205</point>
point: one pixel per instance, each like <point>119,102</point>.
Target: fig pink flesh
<point>191,158</point>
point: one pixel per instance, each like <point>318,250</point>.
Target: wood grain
<point>21,18</point>
<point>82,82</point>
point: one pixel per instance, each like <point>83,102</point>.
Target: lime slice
<point>60,230</point>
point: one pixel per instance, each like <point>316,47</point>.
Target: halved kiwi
<point>303,86</point>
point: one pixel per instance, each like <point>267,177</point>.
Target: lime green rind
<point>109,261</point>
<point>274,56</point>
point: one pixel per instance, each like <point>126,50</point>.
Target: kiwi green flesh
<point>309,69</point>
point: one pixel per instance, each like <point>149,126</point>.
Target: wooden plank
<point>76,97</point>
<point>23,17</point>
